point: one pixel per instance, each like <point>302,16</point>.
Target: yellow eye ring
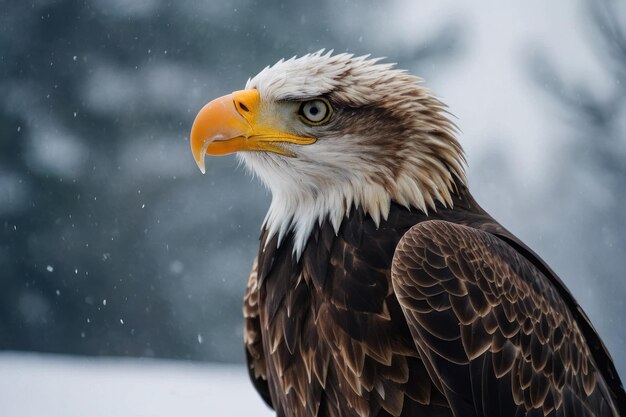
<point>315,112</point>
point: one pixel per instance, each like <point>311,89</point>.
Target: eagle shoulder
<point>494,332</point>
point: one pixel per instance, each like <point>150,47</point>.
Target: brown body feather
<point>471,324</point>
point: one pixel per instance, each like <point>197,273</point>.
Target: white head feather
<point>366,166</point>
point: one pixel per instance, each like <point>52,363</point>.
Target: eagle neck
<point>293,216</point>
<point>294,212</point>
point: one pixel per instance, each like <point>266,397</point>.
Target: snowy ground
<point>64,386</point>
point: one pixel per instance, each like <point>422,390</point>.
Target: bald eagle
<point>381,288</point>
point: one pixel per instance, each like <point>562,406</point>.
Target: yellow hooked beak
<point>230,124</point>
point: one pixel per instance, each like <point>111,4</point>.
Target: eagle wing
<point>494,333</point>
<point>252,337</point>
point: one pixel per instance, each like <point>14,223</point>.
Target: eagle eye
<point>315,112</point>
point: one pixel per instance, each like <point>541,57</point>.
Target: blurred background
<point>112,244</point>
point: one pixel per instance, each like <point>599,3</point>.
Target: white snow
<point>34,385</point>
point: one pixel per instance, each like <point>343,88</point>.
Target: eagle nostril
<point>243,107</point>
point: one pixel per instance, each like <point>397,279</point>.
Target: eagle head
<point>327,133</point>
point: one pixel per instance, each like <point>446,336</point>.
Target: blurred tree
<point>596,118</point>
<point>110,242</point>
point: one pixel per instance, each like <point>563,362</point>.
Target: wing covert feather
<point>497,336</point>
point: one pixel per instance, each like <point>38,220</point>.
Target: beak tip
<point>201,165</point>
<point>199,153</point>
